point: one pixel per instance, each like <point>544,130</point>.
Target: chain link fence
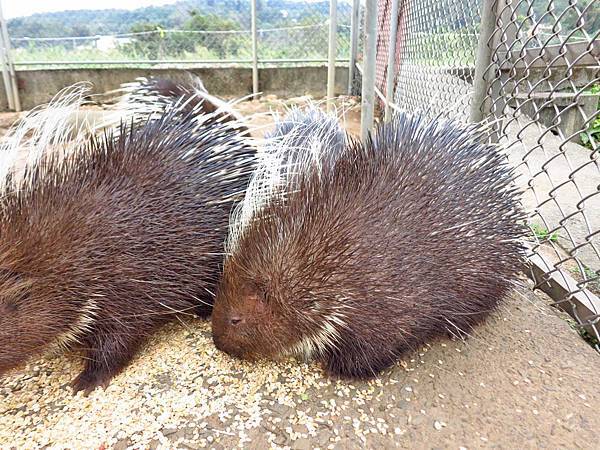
<point>185,32</point>
<point>544,91</point>
<point>435,54</point>
<point>302,32</point>
<point>540,62</point>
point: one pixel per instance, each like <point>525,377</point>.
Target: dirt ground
<point>523,380</point>
<point>260,112</point>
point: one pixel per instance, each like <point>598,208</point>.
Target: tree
<point>222,44</point>
<point>154,42</point>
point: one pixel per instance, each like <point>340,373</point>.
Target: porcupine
<point>105,241</point>
<point>153,94</point>
<point>139,101</point>
<point>355,257</point>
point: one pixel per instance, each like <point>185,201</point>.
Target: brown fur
<point>117,239</point>
<point>393,243</point>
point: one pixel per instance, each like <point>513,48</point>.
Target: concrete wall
<point>39,86</point>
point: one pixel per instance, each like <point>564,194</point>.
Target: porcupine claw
<point>88,382</point>
<point>107,357</point>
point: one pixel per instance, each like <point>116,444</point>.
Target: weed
<point>585,335</point>
<point>543,234</point>
<point>591,136</point>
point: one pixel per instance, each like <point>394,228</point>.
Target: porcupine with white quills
<point>356,256</point>
<point>102,243</point>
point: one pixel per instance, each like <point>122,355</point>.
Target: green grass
<point>589,338</point>
<point>138,53</point>
<point>59,53</point>
<point>585,334</point>
<point>589,276</point>
<point>593,130</point>
<point>543,234</point>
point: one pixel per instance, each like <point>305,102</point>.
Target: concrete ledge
<point>40,85</point>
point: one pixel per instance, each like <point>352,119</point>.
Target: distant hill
<point>271,13</point>
<point>90,22</point>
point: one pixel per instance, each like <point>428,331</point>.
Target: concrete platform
<point>524,380</point>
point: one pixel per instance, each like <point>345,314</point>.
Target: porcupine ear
<point>15,285</point>
<point>254,303</point>
<point>304,139</point>
<point>61,125</point>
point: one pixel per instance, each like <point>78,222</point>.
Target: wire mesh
<point>435,54</point>
<point>545,92</point>
<point>361,30</point>
<point>543,97</point>
<point>189,31</point>
<point>302,30</point>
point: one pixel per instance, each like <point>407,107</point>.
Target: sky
<point>17,8</point>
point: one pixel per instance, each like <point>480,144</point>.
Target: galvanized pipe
<point>11,68</point>
<point>332,53</point>
<point>5,70</point>
<point>354,33</point>
<point>254,48</point>
<point>391,62</point>
<point>6,76</point>
<point>369,64</point>
<point>482,61</point>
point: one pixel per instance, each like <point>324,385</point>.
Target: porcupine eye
<point>247,310</point>
<point>236,320</point>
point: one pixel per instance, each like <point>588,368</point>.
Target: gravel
<point>183,393</point>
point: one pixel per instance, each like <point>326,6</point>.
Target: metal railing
<point>532,69</point>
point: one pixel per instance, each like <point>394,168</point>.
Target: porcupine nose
<point>226,343</point>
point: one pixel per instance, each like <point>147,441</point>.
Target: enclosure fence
<point>531,69</point>
<point>185,32</point>
<point>544,88</point>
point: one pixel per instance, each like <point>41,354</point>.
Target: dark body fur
<point>104,245</point>
<point>410,236</point>
<point>157,93</point>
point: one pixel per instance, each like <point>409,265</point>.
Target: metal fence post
<point>6,76</point>
<point>369,65</point>
<point>8,70</point>
<point>391,62</point>
<point>497,100</point>
<point>332,53</point>
<point>354,33</point>
<point>254,48</point>
<point>483,61</point>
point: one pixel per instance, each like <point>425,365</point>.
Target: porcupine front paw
<point>90,379</point>
<point>107,359</point>
<point>355,362</point>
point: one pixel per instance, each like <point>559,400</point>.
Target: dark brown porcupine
<point>154,94</point>
<point>354,259</point>
<point>102,244</point>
